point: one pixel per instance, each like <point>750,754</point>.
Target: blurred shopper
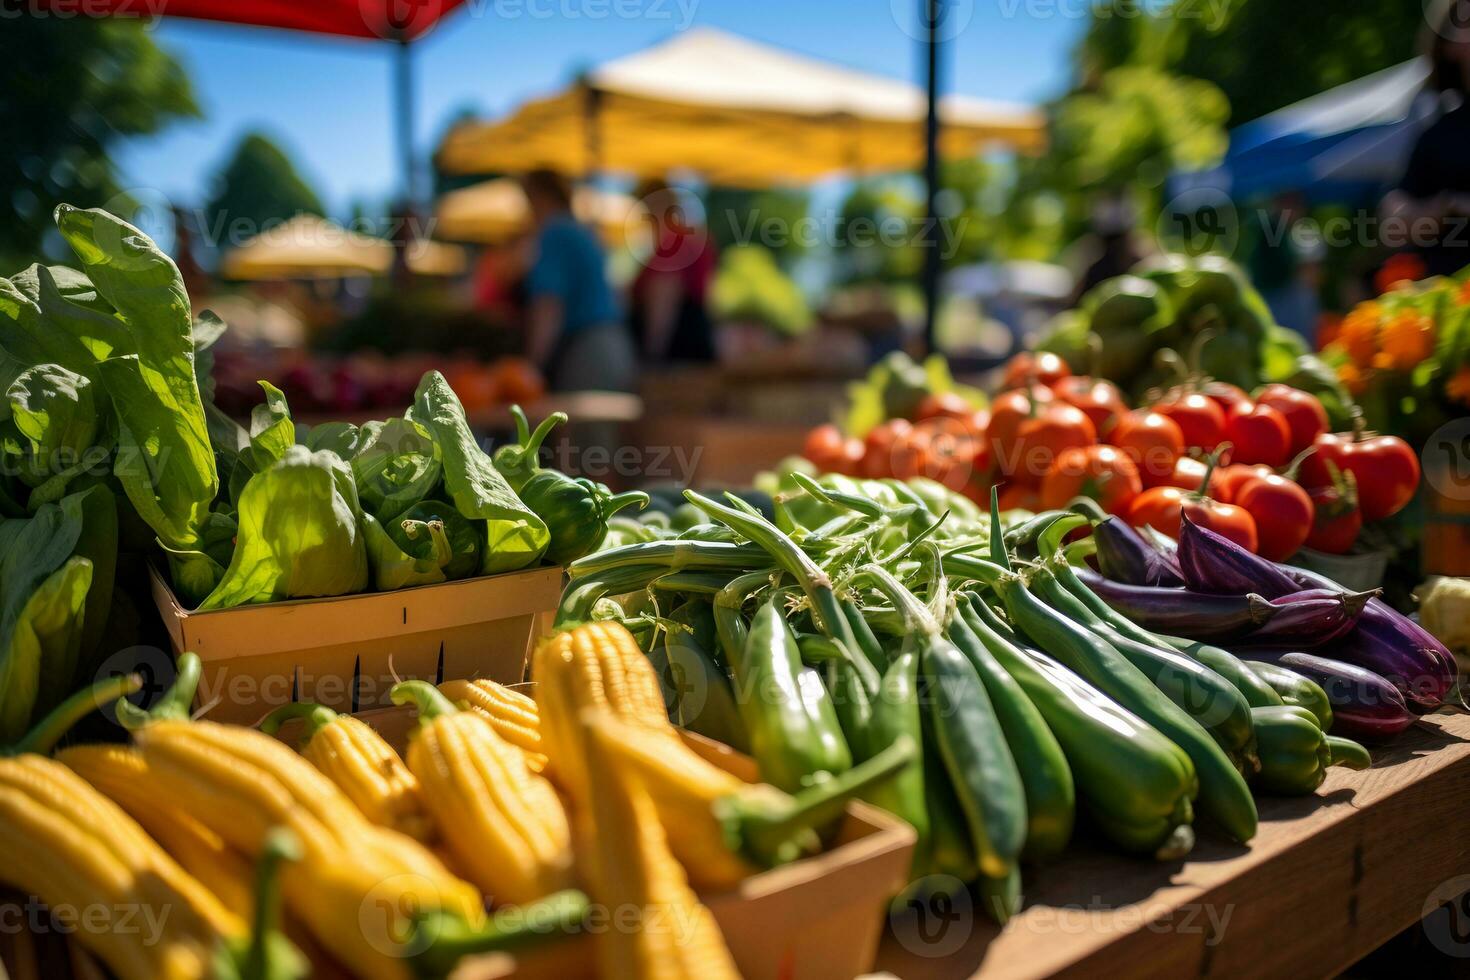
<point>669,316</point>
<point>1434,193</point>
<point>573,323</point>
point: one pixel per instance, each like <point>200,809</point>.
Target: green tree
<point>259,186</point>
<point>74,88</point>
<point>735,216</point>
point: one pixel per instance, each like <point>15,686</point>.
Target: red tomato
<point>1158,508</point>
<point>1385,468</point>
<point>879,447</point>
<point>1199,417</point>
<point>1227,482</point>
<point>1338,519</point>
<point>1043,367</point>
<point>1103,473</point>
<point>1040,438</point>
<point>1282,511</point>
<point>1258,434</point>
<point>1100,401</point>
<point>1224,394</point>
<point>942,449</point>
<point>825,446</point>
<point>1189,474</point>
<point>1229,520</point>
<point>1154,442</point>
<point>946,405</point>
<point>1007,412</point>
<point>1304,414</point>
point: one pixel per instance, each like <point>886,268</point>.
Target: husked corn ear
<point>119,773</point>
<point>503,824</point>
<point>631,872</point>
<point>372,775</point>
<point>599,666</point>
<point>241,783</point>
<point>512,714</point>
<point>684,789</point>
<point>67,844</point>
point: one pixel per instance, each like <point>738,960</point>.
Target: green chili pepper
<point>1295,753</point>
<point>1051,795</point>
<point>583,594</point>
<point>575,511</point>
<point>436,531</point>
<point>697,691</point>
<point>1294,689</point>
<point>826,612</point>
<point>1136,784</point>
<point>793,729</point>
<point>517,461</point>
<point>971,742</point>
<point>1257,693</point>
<point>896,712</point>
<point>1223,793</point>
<point>862,634</point>
<point>849,700</point>
<point>674,555</point>
<point>1211,700</point>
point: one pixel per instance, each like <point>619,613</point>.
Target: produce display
<point>1265,469</point>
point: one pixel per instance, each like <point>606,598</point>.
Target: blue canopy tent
<point>1348,144</point>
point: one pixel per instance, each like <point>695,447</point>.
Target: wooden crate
<point>347,651</point>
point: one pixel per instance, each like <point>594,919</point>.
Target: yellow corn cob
<point>630,871</point>
<point>503,824</point>
<point>120,774</point>
<point>512,714</point>
<point>241,783</point>
<point>70,845</point>
<point>597,665</point>
<point>363,766</point>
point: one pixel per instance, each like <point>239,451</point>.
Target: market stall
<point>1019,682</point>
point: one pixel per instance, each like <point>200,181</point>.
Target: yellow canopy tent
<point>310,247</point>
<point>497,210</point>
<point>739,112</point>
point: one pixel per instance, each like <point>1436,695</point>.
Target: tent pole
<point>931,17</point>
<point>403,118</point>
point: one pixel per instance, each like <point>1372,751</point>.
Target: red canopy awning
<point>398,20</point>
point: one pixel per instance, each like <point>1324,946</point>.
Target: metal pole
<point>403,118</point>
<point>931,17</point>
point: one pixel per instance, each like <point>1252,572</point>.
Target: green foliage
<point>751,287</point>
<point>74,88</point>
<point>736,218</point>
<point>258,187</point>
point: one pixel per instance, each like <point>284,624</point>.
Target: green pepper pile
<point>846,614</point>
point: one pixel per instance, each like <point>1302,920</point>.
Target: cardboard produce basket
<point>346,652</point>
<point>820,918</point>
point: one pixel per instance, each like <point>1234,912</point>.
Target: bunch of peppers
<point>858,611</point>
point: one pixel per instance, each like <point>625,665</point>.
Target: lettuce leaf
<point>396,465</point>
<point>515,537</point>
<point>166,462</point>
<point>299,534</point>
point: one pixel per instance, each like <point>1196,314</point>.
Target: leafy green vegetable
<point>166,464</point>
<point>271,433</point>
<point>393,568</point>
<point>342,438</point>
<point>396,465</point>
<point>299,534</point>
<point>515,537</point>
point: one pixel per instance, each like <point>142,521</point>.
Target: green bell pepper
<point>1295,752</point>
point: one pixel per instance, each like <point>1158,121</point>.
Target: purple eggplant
<point>1395,646</point>
<point>1364,705</point>
<point>1124,556</point>
<point>1180,612</point>
<point>1212,562</point>
<point>1311,617</point>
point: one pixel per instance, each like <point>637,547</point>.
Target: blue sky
<point>328,100</point>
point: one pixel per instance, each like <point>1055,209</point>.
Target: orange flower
<point>1408,338</point>
<point>1358,335</point>
<point>1458,386</point>
<point>1353,378</point>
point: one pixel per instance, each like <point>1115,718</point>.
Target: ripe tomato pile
<point>1260,468</point>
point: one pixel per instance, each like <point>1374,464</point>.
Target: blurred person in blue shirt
<point>574,322</point>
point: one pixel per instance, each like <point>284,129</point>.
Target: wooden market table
<point>1328,879</point>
